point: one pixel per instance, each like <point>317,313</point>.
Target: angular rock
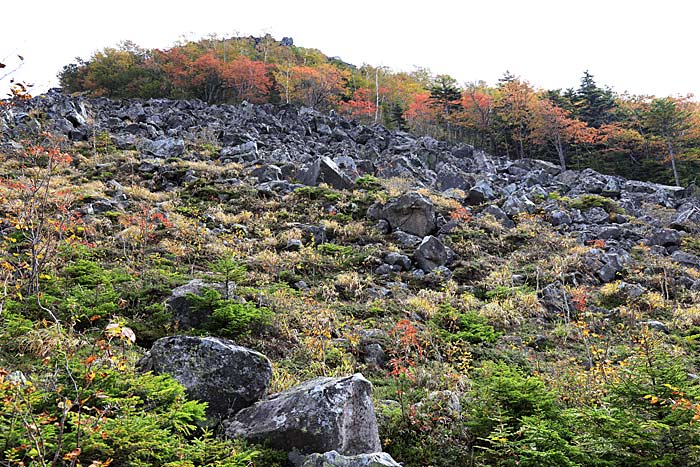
<point>518,204</point>
<point>412,213</point>
<point>165,147</point>
<point>324,170</point>
<point>686,259</point>
<point>320,415</point>
<point>333,459</point>
<point>432,253</point>
<point>226,376</point>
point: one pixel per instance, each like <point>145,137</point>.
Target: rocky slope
<point>280,146</point>
<point>406,258</point>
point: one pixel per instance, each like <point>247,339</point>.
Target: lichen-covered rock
<point>412,213</point>
<point>165,147</point>
<point>320,415</point>
<point>333,459</point>
<point>226,376</point>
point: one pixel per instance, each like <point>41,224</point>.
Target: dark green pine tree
<point>445,95</point>
<point>594,105</point>
<point>396,118</point>
<point>444,91</point>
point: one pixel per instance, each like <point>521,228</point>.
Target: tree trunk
<point>376,86</point>
<point>673,162</point>
<point>560,152</point>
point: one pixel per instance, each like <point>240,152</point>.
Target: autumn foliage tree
<point>514,104</point>
<point>421,115</point>
<point>317,87</point>
<point>557,126</point>
<point>360,106</point>
<point>478,112</point>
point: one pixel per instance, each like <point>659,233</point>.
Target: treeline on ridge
<point>639,137</point>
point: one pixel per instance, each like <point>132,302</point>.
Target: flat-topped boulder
<point>319,415</point>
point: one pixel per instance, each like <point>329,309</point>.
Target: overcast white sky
<point>643,46</point>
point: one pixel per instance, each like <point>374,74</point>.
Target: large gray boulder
<point>165,147</point>
<point>412,213</point>
<point>333,459</point>
<point>320,415</point>
<point>667,238</point>
<point>226,376</point>
<point>432,253</point>
<point>324,170</point>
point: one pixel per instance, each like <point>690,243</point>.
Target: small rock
<point>655,325</point>
<point>398,259</point>
<point>333,459</point>
<point>432,253</point>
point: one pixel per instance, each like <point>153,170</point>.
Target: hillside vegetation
<point>506,312</point>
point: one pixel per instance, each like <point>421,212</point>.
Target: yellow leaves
<point>116,329</point>
<point>97,463</point>
<point>653,400</point>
